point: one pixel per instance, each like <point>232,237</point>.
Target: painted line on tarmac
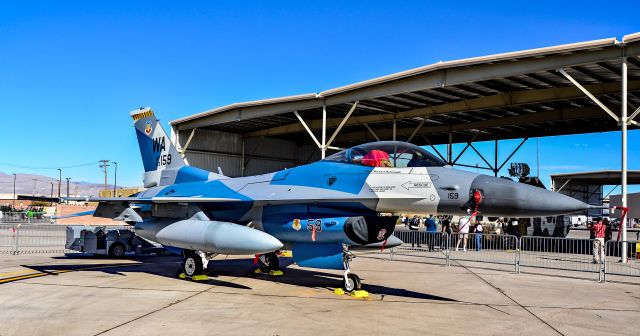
<point>510,298</point>
<point>24,271</point>
<point>157,310</point>
<point>41,274</point>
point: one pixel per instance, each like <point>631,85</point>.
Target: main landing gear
<point>351,280</point>
<point>195,263</point>
<point>268,262</point>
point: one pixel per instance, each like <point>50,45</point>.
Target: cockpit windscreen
<point>393,154</point>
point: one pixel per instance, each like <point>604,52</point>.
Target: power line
<point>30,167</point>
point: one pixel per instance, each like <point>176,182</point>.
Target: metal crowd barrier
<point>613,258</point>
<point>579,255</point>
<point>493,248</point>
<point>422,243</point>
<point>36,238</point>
<point>562,253</point>
<point>582,255</point>
<point>32,238</point>
<point>23,217</point>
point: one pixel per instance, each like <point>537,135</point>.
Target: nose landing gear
<point>351,280</point>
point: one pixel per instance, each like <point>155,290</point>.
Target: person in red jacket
<point>598,229</point>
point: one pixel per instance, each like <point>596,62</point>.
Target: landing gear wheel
<point>269,262</point>
<point>116,250</point>
<point>192,264</point>
<point>352,282</point>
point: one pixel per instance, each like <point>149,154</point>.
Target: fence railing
<point>23,217</point>
<point>613,258</point>
<point>32,238</point>
<point>40,238</point>
<point>579,255</point>
<point>493,248</point>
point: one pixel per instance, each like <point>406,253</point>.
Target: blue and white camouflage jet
<point>318,211</point>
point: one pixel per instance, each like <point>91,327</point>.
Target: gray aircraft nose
<point>502,197</point>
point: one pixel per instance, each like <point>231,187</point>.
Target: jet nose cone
<point>502,197</point>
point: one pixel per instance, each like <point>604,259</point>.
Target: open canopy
<point>394,154</point>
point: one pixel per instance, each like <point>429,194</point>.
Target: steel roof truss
<point>585,91</point>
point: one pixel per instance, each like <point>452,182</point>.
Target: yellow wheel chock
<point>200,277</point>
<point>276,273</point>
<point>361,294</point>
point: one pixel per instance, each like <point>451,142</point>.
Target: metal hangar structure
<point>584,87</point>
<point>589,186</point>
<point>566,89</point>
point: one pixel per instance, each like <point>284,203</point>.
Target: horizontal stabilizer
<point>78,214</point>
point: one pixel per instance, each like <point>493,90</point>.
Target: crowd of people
<point>600,231</point>
<point>433,224</point>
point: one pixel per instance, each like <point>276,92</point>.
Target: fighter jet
<point>319,211</point>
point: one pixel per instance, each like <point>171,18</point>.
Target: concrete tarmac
<point>81,295</point>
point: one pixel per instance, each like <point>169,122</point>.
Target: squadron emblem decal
<point>296,224</point>
<point>147,127</point>
<point>381,234</point>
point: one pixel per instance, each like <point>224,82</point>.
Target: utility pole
<point>115,179</point>
<point>104,164</point>
<point>51,189</point>
<point>67,178</point>
<point>33,193</point>
<point>59,181</point>
<point>14,190</point>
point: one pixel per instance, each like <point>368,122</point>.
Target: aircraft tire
<point>192,264</point>
<point>352,283</point>
<point>117,250</point>
<point>272,263</point>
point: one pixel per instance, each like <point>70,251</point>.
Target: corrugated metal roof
<point>509,95</point>
<point>246,104</point>
<point>603,177</point>
<point>538,52</point>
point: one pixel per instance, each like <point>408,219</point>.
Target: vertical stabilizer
<point>163,164</point>
<point>158,152</point>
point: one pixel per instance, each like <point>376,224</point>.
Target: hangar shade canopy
<point>519,94</point>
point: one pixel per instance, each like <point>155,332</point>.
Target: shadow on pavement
<point>169,267</point>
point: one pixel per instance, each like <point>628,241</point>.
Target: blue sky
<point>70,71</point>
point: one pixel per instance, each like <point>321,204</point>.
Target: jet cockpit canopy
<point>394,154</point>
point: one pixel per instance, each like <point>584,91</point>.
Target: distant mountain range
<point>25,186</point>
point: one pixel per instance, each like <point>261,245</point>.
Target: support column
<point>623,185</point>
<point>323,148</point>
<point>394,127</point>
<point>495,158</point>
<point>242,162</point>
<point>449,149</point>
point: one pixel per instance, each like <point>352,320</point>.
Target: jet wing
<point>191,199</point>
